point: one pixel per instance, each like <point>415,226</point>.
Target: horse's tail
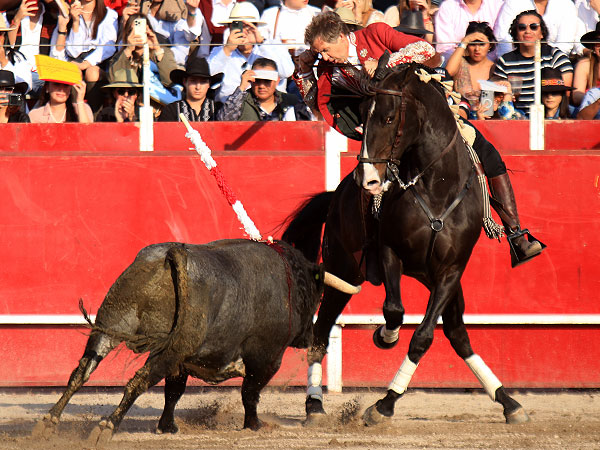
<point>306,224</point>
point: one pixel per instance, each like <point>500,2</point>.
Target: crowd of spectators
<point>234,60</point>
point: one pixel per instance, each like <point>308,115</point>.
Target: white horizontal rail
<point>349,319</point>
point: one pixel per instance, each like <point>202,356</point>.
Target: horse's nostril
<point>372,183</point>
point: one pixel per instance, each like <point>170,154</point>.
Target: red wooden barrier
<point>79,201</point>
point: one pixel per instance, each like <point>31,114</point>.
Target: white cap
<point>263,74</point>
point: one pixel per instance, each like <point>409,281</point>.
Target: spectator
<point>588,12</point>
<point>263,102</point>
<point>125,89</point>
<point>502,106</point>
<point>9,111</point>
<point>179,25</point>
<point>243,48</point>
<point>454,16</point>
<point>587,70</point>
<point>348,18</point>
<point>363,11</point>
<point>554,95</point>
<point>394,14</point>
<point>62,102</point>
<point>89,43</point>
<point>131,56</point>
<point>11,59</point>
<point>559,16</point>
<point>527,28</point>
<point>590,105</point>
<point>33,24</point>
<point>470,61</point>
<point>198,104</point>
<point>215,12</point>
<point>286,23</point>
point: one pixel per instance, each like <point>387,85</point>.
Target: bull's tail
<point>184,334</point>
<point>306,225</point>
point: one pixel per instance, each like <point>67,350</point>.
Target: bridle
<point>392,163</point>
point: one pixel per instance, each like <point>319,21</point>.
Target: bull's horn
<point>340,285</point>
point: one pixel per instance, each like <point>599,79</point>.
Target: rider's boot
<point>503,201</point>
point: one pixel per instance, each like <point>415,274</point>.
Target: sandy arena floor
<point>212,419</point>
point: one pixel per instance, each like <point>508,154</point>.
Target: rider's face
<point>335,52</point>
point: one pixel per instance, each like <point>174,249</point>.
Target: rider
<point>327,36</point>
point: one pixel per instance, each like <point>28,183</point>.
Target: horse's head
<point>392,124</point>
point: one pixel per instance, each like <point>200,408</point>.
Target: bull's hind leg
<point>97,347</point>
<point>174,389</point>
<point>151,373</point>
<point>456,332</point>
<point>386,336</point>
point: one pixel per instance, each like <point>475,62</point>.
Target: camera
<point>237,25</point>
<point>15,99</point>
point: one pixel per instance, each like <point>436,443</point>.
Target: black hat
<point>552,81</point>
<point>195,67</point>
<point>592,38</point>
<point>7,79</point>
<point>412,23</point>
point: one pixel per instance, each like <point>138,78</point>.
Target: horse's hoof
<point>170,428</point>
<point>100,435</point>
<point>373,417</point>
<point>517,416</point>
<point>379,342</point>
<point>45,427</point>
<point>314,406</point>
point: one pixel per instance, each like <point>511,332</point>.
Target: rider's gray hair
<point>327,26</point>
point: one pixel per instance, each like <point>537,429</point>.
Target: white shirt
<point>30,39</point>
<point>103,45</point>
<point>180,34</point>
<point>291,24</point>
<point>560,18</point>
<point>587,14</point>
<point>220,12</point>
<point>233,66</point>
<point>452,20</point>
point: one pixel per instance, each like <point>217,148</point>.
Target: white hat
<point>266,74</point>
<point>243,12</point>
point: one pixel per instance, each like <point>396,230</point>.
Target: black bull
<point>216,311</point>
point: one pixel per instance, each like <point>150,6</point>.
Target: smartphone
<point>487,103</point>
<point>139,28</point>
<point>237,25</point>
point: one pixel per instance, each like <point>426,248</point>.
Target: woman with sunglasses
<point>125,90</point>
<point>470,61</point>
<point>527,28</point>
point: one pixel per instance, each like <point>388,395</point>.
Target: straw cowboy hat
<point>244,12</point>
<point>4,26</point>
<point>7,80</point>
<point>347,16</point>
<point>124,78</point>
<point>196,67</point>
<point>592,38</point>
<point>552,81</point>
<point>412,23</point>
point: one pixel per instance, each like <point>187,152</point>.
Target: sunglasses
<point>531,26</point>
<point>130,91</point>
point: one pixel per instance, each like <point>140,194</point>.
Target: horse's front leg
<point>386,336</point>
<point>444,291</point>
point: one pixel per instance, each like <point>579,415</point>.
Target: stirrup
<point>516,257</point>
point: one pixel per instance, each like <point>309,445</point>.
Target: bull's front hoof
<point>45,427</point>
<point>517,416</point>
<point>100,435</point>
<point>379,342</point>
<point>372,417</point>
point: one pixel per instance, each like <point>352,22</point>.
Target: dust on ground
<point>212,418</point>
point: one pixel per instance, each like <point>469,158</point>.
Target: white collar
<point>352,53</point>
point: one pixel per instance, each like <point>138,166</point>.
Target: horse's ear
<point>381,66</point>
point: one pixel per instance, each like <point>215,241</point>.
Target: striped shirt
<point>515,64</point>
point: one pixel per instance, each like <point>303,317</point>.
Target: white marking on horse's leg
<point>403,376</point>
<point>486,377</point>
<point>315,379</point>
<point>389,336</point>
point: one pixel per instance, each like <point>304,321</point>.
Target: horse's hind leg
<point>98,346</point>
<point>174,389</point>
<point>386,336</point>
<point>456,332</point>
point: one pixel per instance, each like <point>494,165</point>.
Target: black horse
<point>425,225</point>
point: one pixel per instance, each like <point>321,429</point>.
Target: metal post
<point>536,112</point>
<point>334,360</point>
<point>146,117</point>
<point>335,143</point>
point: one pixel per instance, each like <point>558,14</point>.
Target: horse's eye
<point>389,120</point>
